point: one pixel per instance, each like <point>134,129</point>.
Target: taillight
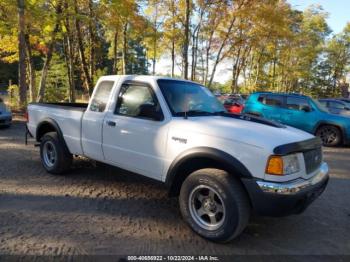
<point>26,116</point>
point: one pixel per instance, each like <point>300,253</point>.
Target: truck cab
<point>221,166</point>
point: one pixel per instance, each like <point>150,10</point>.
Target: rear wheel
<point>214,204</point>
<point>55,158</point>
<point>330,135</point>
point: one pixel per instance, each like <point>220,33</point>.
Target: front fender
<point>224,160</point>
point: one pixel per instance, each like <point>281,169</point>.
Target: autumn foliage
<point>260,44</point>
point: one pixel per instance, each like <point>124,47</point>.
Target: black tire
<point>63,159</point>
<point>330,135</point>
<point>229,191</point>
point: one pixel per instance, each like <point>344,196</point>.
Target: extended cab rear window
<point>100,99</point>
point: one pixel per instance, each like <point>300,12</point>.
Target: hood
<point>243,131</point>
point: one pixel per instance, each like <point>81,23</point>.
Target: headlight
<point>283,165</point>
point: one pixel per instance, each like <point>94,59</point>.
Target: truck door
<point>299,113</point>
<point>134,134</point>
<point>272,108</point>
<point>91,136</point>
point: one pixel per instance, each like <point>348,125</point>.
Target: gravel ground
<point>104,210</point>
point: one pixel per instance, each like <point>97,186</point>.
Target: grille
<point>313,159</point>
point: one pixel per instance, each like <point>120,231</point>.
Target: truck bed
<point>68,116</point>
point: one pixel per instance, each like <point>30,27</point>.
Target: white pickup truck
<point>221,166</point>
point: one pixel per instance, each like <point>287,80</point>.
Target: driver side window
<point>139,101</point>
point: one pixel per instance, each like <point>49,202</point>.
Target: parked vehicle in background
<point>233,105</point>
<point>301,112</point>
<point>221,166</point>
<point>5,114</point>
<point>346,100</point>
<point>245,96</point>
<point>242,97</point>
<point>336,106</point>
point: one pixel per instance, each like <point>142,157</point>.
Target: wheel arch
<point>199,158</point>
<point>50,125</point>
<point>327,123</point>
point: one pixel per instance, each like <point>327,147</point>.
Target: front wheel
<point>330,135</point>
<point>54,157</point>
<point>214,204</point>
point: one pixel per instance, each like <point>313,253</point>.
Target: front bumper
<point>293,197</point>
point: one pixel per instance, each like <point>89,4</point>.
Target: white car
<point>221,166</point>
<point>5,114</point>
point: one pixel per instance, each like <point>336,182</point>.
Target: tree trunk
<point>193,56</point>
<point>125,44</point>
<point>32,79</point>
<point>155,41</point>
<point>195,46</point>
<point>173,58</point>
<point>207,56</point>
<point>92,41</point>
<point>48,58</point>
<point>41,92</point>
<point>186,43</point>
<point>173,39</point>
<point>84,65</point>
<point>218,56</point>
<point>69,55</point>
<point>115,52</point>
<point>22,56</point>
<point>70,66</point>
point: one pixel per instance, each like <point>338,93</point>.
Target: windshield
<point>320,106</point>
<point>189,98</point>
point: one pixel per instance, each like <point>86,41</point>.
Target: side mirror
<point>150,111</point>
<point>306,109</point>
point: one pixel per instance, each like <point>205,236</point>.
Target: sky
<point>338,10</point>
<point>338,15</point>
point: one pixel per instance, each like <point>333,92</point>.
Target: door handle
<point>110,123</point>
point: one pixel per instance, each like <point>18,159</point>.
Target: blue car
<point>336,106</point>
<point>5,114</point>
<point>301,112</point>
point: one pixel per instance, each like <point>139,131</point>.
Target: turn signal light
<point>275,166</point>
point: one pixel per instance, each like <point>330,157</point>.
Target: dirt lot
<point>101,210</point>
